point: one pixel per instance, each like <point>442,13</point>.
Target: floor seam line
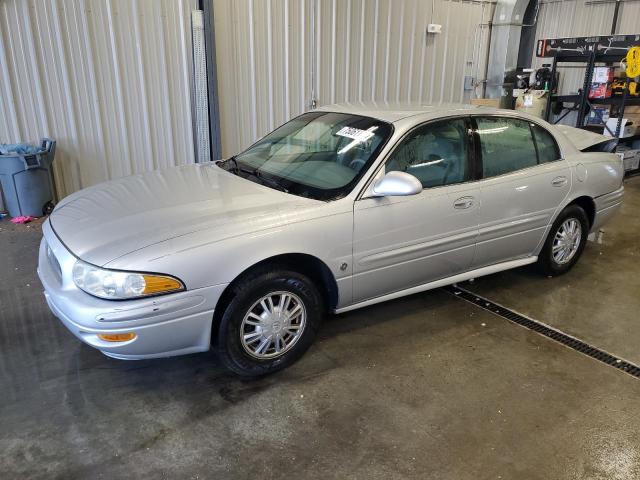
<point>545,330</point>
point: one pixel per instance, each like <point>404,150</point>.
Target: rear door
<point>524,181</point>
<point>405,241</point>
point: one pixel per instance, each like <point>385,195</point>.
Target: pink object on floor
<point>26,219</point>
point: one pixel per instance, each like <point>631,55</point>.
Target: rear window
<point>548,150</point>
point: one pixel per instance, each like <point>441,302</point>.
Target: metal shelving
<point>589,51</point>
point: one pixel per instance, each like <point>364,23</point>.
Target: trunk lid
<point>587,141</point>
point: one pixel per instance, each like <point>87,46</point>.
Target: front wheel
<point>565,242</point>
<point>270,322</point>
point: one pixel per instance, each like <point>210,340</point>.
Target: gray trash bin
<point>27,181</point>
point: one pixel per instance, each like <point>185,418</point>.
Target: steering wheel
<point>357,164</point>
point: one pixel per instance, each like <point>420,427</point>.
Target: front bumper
<point>167,325</point>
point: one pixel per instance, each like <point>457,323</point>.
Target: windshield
<point>320,155</point>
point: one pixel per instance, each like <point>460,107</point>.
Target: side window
<point>506,144</point>
<point>436,154</point>
<point>548,150</point>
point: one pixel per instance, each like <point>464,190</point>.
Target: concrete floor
<point>424,387</point>
<point>599,300</point>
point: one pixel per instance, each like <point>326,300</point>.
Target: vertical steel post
<point>212,79</point>
<point>547,113</point>
<point>621,107</point>
<point>584,98</point>
<point>201,100</point>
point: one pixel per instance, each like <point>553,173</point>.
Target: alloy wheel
<point>273,325</point>
<point>566,241</point>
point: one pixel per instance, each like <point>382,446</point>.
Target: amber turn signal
<point>157,284</point>
<point>116,337</point>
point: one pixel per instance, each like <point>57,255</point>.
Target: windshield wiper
<point>237,169</point>
<point>233,160</point>
<point>266,181</point>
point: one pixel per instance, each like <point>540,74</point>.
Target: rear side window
<point>548,150</point>
<point>506,144</point>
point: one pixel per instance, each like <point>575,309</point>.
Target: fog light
<point>116,337</point>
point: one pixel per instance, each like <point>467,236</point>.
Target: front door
<point>401,242</point>
<point>524,182</point>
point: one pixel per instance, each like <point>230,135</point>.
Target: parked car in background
<point>340,208</point>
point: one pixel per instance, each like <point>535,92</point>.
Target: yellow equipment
<point>633,62</point>
<point>630,64</point>
<point>617,87</point>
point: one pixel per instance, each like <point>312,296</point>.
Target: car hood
<point>104,222</point>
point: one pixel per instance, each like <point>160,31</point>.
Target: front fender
<point>200,260</point>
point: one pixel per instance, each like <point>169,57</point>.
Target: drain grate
<point>546,330</point>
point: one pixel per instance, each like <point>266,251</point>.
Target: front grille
<point>55,265</point>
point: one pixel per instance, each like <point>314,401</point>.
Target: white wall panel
<point>109,80</point>
<point>275,56</point>
<point>629,17</point>
<point>264,54</point>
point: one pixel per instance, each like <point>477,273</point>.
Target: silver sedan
<point>340,208</point>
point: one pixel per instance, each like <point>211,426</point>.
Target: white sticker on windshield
<point>355,133</point>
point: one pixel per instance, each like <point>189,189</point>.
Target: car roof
<point>395,111</point>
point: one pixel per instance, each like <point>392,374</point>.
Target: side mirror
<point>396,184</point>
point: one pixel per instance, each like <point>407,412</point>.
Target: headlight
<point>119,285</point>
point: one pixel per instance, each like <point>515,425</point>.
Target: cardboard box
<point>632,113</point>
<point>626,129</point>
<point>602,75</point>
<point>600,90</point>
<point>630,158</point>
<point>598,115</point>
<point>486,102</point>
<point>533,102</point>
<point>631,164</point>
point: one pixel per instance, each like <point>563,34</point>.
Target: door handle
<point>463,203</point>
<point>559,181</point>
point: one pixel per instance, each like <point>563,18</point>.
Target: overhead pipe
<point>505,30</point>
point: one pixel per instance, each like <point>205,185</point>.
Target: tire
<point>245,317</point>
<point>554,265</point>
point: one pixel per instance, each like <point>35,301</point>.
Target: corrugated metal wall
<point>274,56</point>
<point>110,80</point>
<point>577,18</point>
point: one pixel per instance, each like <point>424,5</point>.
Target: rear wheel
<point>270,322</point>
<point>565,242</point>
